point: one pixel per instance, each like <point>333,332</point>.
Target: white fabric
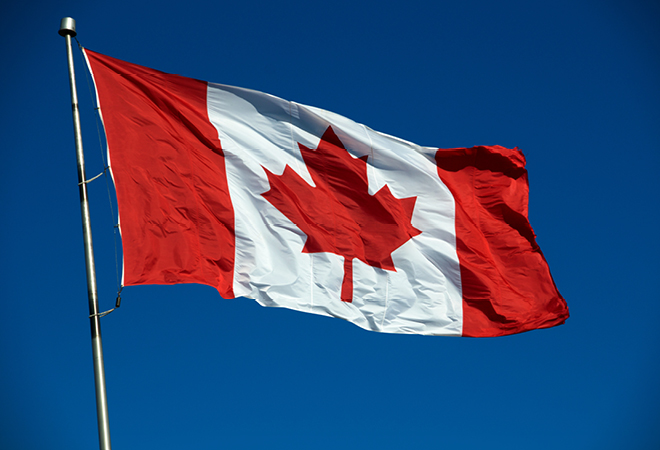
<point>260,131</point>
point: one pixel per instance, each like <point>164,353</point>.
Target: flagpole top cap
<point>67,27</point>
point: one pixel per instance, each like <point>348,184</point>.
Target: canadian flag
<point>301,208</point>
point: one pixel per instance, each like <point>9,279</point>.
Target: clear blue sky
<point>574,84</point>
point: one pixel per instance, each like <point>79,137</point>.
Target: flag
<point>301,208</point>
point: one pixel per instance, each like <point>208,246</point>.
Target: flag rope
<point>92,179</point>
<point>117,305</point>
<point>102,314</point>
<point>106,168</point>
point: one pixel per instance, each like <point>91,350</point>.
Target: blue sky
<point>574,84</point>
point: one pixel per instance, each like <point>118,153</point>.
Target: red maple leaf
<point>339,215</point>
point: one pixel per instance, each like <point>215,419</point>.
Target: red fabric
<point>177,217</point>
<point>506,282</point>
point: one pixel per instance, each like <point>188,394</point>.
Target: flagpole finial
<point>67,26</point>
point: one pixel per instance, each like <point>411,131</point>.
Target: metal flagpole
<point>68,30</point>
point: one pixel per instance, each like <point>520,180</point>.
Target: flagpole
<point>68,30</point>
